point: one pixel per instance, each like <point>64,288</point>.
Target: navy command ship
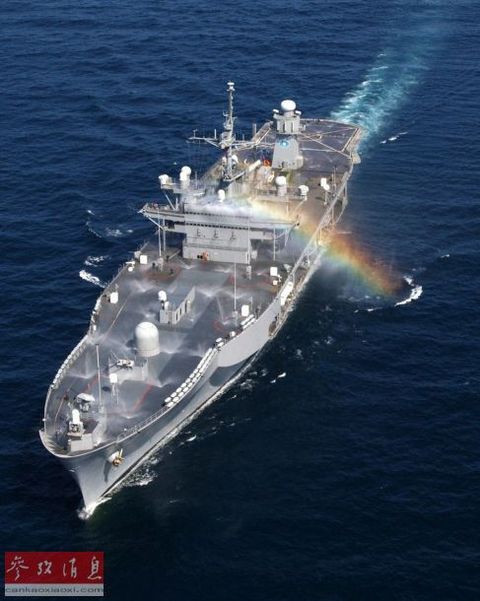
<point>196,303</point>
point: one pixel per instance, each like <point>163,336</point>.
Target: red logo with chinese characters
<point>72,572</point>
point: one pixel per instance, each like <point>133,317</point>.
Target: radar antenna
<point>228,136</point>
<point>226,140</point>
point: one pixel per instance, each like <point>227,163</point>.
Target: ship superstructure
<point>196,303</point>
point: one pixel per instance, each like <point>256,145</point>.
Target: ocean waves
<point>385,88</point>
<point>92,279</point>
<point>396,71</point>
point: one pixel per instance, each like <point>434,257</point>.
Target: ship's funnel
<point>147,340</point>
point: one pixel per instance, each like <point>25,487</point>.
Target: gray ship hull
<point>181,321</point>
<point>96,477</point>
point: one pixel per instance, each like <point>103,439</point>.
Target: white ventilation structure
<point>281,183</point>
<point>184,177</point>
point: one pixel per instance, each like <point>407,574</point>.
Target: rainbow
<point>343,253</point>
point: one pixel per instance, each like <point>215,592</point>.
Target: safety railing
<point>176,396</point>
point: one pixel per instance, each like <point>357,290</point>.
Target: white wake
<point>395,71</point>
<point>92,261</point>
<point>386,87</point>
<point>416,292</point>
<point>88,277</point>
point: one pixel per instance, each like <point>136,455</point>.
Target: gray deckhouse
<point>243,201</point>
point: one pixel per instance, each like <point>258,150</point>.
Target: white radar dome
<point>288,105</point>
<point>186,169</point>
<point>280,181</point>
<point>147,340</point>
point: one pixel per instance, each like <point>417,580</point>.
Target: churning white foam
<point>143,475</point>
<point>416,292</point>
<point>384,89</point>
<point>91,260</point>
<point>394,138</point>
<point>86,512</point>
<point>116,232</point>
<point>88,277</point>
<point>107,232</point>
<point>395,72</point>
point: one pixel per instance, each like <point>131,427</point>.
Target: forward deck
<point>220,291</point>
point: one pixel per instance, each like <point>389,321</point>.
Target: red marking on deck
<point>218,325</point>
<point>143,397</point>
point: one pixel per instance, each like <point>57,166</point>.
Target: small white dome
<point>186,169</point>
<point>162,295</point>
<point>147,339</point>
<point>280,180</point>
<point>288,105</point>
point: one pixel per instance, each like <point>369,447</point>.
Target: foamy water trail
<point>107,232</point>
<point>88,277</point>
<point>92,261</point>
<point>394,138</point>
<point>416,292</point>
<point>384,90</point>
<point>396,71</point>
<point>116,232</point>
<point>143,475</point>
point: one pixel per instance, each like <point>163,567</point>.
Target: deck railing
<point>190,382</point>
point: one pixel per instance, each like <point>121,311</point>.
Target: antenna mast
<point>226,140</point>
<point>228,137</point>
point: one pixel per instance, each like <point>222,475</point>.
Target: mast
<point>227,138</point>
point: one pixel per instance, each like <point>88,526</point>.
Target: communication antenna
<point>228,135</point>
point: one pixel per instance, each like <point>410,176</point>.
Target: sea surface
<point>345,465</point>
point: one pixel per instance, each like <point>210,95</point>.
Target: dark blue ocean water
<point>357,475</point>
